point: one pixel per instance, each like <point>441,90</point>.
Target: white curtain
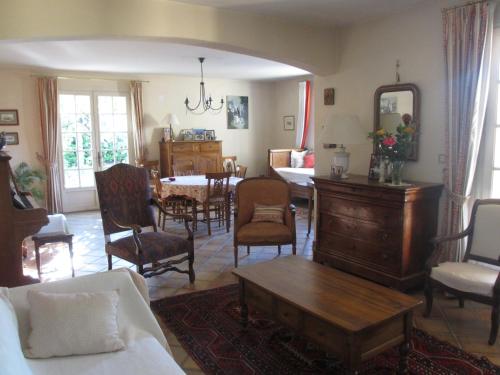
<point>301,115</point>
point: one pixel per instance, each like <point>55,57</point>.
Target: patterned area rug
<point>207,325</point>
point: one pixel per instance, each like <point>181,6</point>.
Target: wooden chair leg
<point>279,249</point>
<point>140,269</point>
<point>461,302</point>
<point>207,218</point>
<point>294,249</point>
<point>428,297</point>
<point>191,268</point>
<point>70,246</point>
<point>494,323</point>
<point>248,250</point>
<point>236,257</point>
<point>227,210</point>
<point>37,257</point>
<point>110,262</point>
<point>309,215</point>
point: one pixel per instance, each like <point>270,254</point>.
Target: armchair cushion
<point>157,246</point>
<point>264,232</point>
<point>265,213</point>
<point>467,277</point>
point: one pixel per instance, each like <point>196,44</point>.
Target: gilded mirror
<point>392,102</point>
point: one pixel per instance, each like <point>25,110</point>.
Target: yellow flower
<point>409,130</point>
<point>380,132</point>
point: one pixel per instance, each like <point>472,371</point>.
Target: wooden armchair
<point>478,280</point>
<point>262,191</point>
<point>126,205</point>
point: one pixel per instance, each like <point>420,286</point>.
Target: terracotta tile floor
<point>467,328</point>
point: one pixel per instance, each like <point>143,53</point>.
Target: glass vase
<point>397,172</point>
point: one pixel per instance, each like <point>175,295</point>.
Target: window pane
<point>106,141</point>
<point>106,123</point>
<point>119,104</point>
<point>122,156</point>
<point>120,122</point>
<point>70,161</point>
<point>495,188</point>
<point>87,178</point>
<point>84,141</point>
<point>71,179</point>
<point>121,141</point>
<point>82,103</point>
<point>498,104</point>
<point>85,159</point>
<point>68,123</point>
<point>67,103</point>
<point>105,104</point>
<point>108,158</point>
<point>69,142</point>
<point>83,122</point>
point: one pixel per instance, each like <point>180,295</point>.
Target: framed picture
<point>388,104</point>
<point>374,171</point>
<point>187,135</point>
<point>209,135</point>
<point>237,112</point>
<point>12,138</point>
<point>329,96</point>
<point>199,134</point>
<point>288,122</point>
<point>9,117</point>
<point>167,134</point>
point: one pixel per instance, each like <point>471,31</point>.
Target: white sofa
<point>146,352</point>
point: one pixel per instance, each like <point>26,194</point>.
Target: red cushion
<point>309,161</point>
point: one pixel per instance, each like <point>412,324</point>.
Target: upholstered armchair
<point>126,204</point>
<point>477,276</point>
<point>262,191</point>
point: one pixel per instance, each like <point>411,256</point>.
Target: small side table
<point>304,190</point>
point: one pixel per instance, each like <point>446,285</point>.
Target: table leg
<point>309,214</point>
<point>404,348</point>
<point>243,305</point>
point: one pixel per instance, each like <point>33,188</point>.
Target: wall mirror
<point>394,101</point>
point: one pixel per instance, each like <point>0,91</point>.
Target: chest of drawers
<point>374,230</point>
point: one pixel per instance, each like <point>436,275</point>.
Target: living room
<point>264,52</point>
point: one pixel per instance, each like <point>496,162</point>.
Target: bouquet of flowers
<point>397,146</point>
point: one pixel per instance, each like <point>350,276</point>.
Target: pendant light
<point>204,104</point>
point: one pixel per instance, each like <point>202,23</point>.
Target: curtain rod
<point>469,3</point>
<point>88,78</point>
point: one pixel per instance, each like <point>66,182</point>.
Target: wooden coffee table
<point>349,317</point>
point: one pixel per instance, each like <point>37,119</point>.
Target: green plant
<point>29,179</point>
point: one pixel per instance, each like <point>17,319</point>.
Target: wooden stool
<point>45,238</point>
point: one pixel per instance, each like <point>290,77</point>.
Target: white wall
<point>368,58</point>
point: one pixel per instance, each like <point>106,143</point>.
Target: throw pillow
<point>64,324</point>
<point>297,158</point>
<point>272,214</point>
<point>12,361</point>
<point>309,160</point>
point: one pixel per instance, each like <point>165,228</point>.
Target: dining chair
<point>183,168</point>
<point>241,171</point>
<point>477,276</point>
<point>217,200</point>
<point>229,164</point>
<point>263,214</point>
<point>126,204</point>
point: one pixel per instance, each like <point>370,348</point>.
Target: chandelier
<point>204,104</point>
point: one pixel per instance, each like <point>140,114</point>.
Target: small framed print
<point>289,123</point>
<point>12,138</point>
<point>329,96</point>
<point>187,134</point>
<point>9,117</point>
<point>199,134</point>
<point>209,135</point>
<point>374,171</point>
<point>167,134</point>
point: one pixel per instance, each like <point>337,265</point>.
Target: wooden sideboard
<point>376,231</point>
<point>206,156</point>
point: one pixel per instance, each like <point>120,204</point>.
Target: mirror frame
<point>413,155</point>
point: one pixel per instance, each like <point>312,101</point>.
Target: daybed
<point>146,348</point>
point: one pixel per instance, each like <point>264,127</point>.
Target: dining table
<point>192,187</point>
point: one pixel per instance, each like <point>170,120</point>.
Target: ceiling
<point>141,57</point>
<point>314,12</point>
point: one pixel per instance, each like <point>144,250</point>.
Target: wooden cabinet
<point>206,156</point>
<point>374,230</point>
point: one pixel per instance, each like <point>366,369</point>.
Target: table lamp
<point>342,129</point>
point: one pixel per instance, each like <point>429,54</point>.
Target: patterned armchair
<point>126,204</point>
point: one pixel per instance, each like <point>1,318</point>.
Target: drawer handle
<point>385,236</point>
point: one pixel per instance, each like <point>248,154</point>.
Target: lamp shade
<point>172,119</point>
<point>343,129</point>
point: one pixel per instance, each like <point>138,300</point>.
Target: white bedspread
<point>296,175</point>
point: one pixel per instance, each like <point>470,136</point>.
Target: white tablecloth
<point>191,186</point>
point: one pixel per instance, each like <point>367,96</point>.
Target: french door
<point>95,134</point>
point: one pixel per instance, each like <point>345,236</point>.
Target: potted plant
<point>28,180</point>
<point>395,147</point>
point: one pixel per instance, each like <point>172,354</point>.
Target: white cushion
<point>73,323</point>
<point>143,356</point>
<point>57,223</point>
<point>467,277</point>
<point>12,361</point>
<point>486,239</point>
<point>297,158</point>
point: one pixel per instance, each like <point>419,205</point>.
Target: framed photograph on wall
<point>237,112</point>
<point>288,122</point>
<point>12,138</point>
<point>9,117</point>
<point>329,96</point>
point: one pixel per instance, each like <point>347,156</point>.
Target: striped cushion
<point>273,214</point>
